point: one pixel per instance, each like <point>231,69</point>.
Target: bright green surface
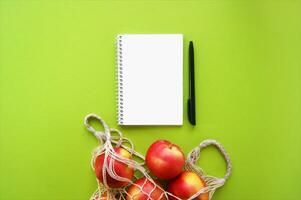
<point>57,63</point>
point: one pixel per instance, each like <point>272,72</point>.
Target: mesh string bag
<point>148,187</point>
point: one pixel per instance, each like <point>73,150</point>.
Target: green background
<point>57,64</point>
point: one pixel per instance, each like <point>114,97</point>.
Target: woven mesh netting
<point>141,185</point>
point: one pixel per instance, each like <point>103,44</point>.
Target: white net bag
<point>122,174</point>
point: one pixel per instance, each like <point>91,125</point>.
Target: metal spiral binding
<point>119,80</point>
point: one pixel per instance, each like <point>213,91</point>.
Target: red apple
<point>186,185</point>
<point>103,197</point>
<point>121,169</point>
<point>164,159</point>
<point>145,190</point>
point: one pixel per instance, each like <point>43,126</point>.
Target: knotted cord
<point>110,138</point>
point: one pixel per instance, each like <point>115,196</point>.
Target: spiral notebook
<point>150,79</point>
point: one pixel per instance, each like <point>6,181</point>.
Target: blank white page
<point>150,79</point>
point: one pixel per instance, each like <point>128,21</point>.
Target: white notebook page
<point>152,79</point>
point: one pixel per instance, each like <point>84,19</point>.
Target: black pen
<point>191,100</point>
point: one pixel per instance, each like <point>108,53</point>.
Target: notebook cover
<point>150,79</point>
